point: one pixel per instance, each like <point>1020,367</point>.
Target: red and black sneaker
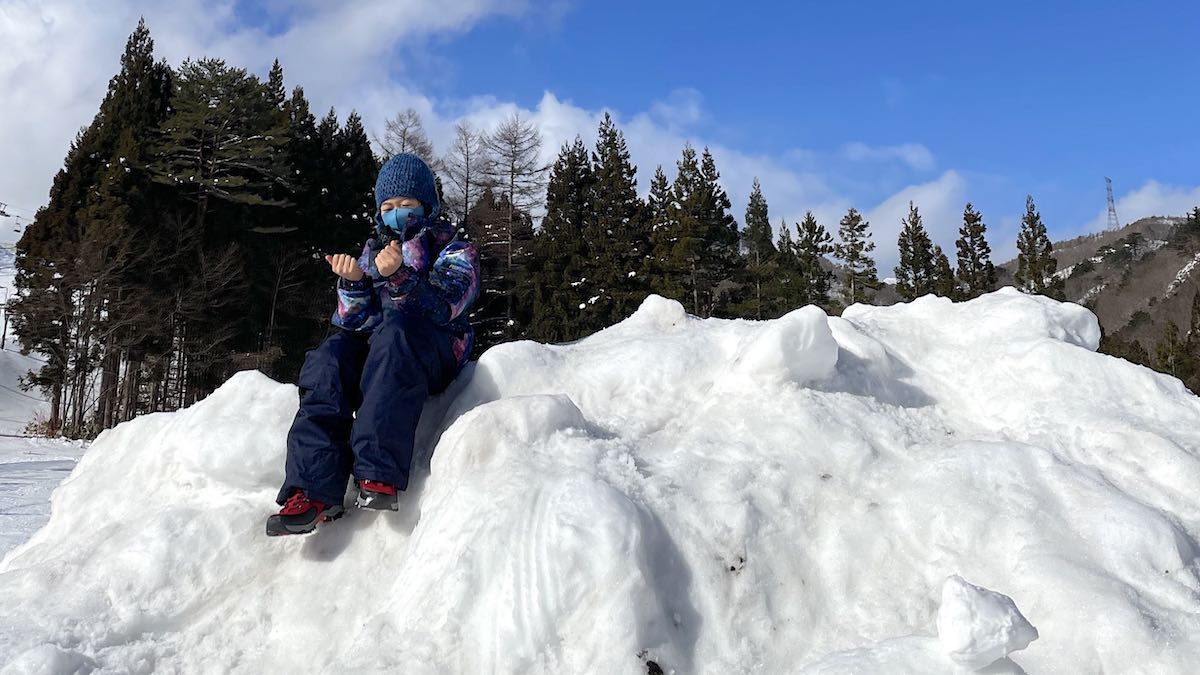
<point>300,515</point>
<point>373,494</point>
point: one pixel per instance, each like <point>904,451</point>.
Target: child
<point>402,310</point>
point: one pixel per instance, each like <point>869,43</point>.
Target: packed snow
<point>30,468</point>
<point>927,487</point>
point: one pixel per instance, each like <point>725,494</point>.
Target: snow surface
<point>1182,275</point>
<point>30,468</point>
<point>715,496</point>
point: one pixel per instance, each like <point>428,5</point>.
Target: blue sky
<point>829,104</point>
<point>1041,97</point>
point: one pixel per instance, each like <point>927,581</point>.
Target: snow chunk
<point>797,347</point>
<point>978,627</point>
<point>659,313</point>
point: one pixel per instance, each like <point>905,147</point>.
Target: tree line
<point>183,238</point>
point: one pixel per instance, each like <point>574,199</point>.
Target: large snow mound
<point>715,496</point>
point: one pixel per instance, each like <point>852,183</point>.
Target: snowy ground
<point>923,488</point>
<point>30,468</point>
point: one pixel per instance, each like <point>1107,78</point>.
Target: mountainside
<point>807,494</point>
<point>1130,278</point>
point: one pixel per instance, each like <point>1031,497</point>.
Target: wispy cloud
<point>915,155</point>
<point>56,75</point>
<point>1151,199</point>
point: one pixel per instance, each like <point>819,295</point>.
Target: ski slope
<point>30,468</point>
<point>927,487</point>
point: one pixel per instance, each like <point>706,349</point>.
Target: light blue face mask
<point>396,219</point>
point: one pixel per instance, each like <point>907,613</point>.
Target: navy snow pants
<point>385,376</point>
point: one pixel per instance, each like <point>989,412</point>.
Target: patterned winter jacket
<point>439,279</point>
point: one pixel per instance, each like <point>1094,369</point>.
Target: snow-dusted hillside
<point>714,496</point>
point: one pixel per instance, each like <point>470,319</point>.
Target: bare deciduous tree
<point>406,133</point>
<point>468,167</point>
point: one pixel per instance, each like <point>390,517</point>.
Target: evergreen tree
<point>617,236</point>
<point>761,264</point>
<point>1170,356</point>
<point>917,271</point>
<point>1186,237</point>
<point>224,144</point>
<point>854,252</point>
<point>813,243</point>
<point>663,275</point>
<point>359,168</point>
<point>787,287</point>
<point>677,241</point>
<point>82,260</point>
<point>696,249</point>
<point>721,255</point>
<point>558,276</point>
<point>1035,260</point>
<point>944,284</point>
<point>976,273</point>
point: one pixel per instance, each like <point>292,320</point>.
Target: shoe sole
<point>277,528</point>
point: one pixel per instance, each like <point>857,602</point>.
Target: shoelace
<point>297,503</point>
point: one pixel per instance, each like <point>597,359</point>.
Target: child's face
<point>399,203</point>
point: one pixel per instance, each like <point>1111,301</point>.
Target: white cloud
<point>914,155</point>
<point>940,203</point>
<point>55,74</point>
<point>1151,199</point>
<point>58,56</point>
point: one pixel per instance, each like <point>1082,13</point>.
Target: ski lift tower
<point>1113,223</point>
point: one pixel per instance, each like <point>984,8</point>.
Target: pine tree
<point>617,236</point>
<point>813,243</point>
<point>80,263</point>
<point>976,273</point>
<point>696,249</point>
<point>721,254</point>
<point>224,144</point>
<point>559,269</point>
<point>1036,264</point>
<point>1186,237</point>
<point>944,284</point>
<point>678,240</point>
<point>787,287</point>
<point>761,264</point>
<point>664,277</point>
<point>359,168</point>
<point>854,252</point>
<point>917,271</point>
<point>1170,357</point>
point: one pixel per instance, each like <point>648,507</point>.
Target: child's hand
<point>389,259</point>
<point>345,266</point>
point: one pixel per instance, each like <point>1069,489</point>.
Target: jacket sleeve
<point>450,287</point>
<point>358,307</point>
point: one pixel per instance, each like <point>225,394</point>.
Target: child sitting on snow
<point>402,311</point>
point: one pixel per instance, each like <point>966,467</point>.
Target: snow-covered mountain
<point>889,491</point>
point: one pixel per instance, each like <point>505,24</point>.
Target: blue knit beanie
<point>406,175</point>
